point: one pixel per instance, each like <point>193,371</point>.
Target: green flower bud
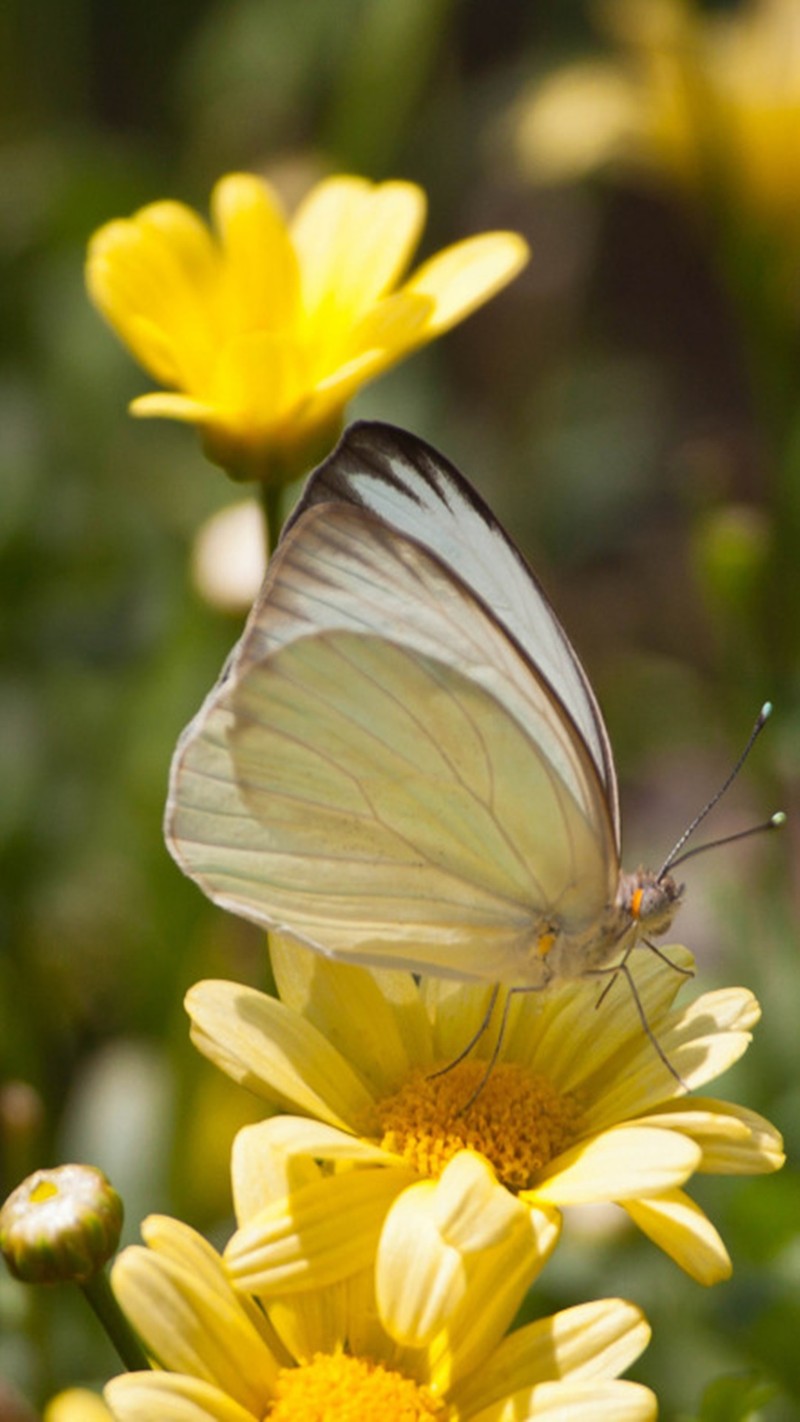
<point>60,1225</point>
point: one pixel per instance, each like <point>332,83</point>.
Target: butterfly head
<point>651,900</point>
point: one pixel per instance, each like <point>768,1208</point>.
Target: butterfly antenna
<point>672,858</point>
<point>776,821</point>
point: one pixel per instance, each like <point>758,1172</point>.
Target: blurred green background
<point>631,408</point>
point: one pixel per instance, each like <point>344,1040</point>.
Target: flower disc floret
<point>340,1388</point>
<point>514,1117</point>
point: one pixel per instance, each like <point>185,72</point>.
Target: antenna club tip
<point>765,713</point>
<point>778,820</point>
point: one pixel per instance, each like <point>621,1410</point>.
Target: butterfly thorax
<point>646,903</point>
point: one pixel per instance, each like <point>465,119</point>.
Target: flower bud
<point>60,1225</point>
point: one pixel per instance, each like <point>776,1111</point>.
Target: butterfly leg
<point>476,1036</point>
<point>613,973</point>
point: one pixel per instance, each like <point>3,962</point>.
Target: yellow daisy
<point>577,1109</point>
<point>323,1354</point>
<point>264,328</point>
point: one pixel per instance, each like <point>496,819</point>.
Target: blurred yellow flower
<point>578,1109</point>
<point>263,329</point>
<point>321,1354</point>
<point>711,102</point>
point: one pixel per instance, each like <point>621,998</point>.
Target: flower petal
<point>259,379</point>
<point>323,1231</point>
<point>267,1158</point>
<point>679,1227</point>
<point>162,405</point>
<point>193,1324</point>
<point>159,271</point>
<point>497,1281</point>
<point>629,1162</point>
<point>275,1053</point>
<point>463,276</point>
<point>262,277</point>
<point>592,1340</point>
<point>354,240</point>
<point>376,1020</point>
<point>420,1270</point>
<point>458,1012</point>
<point>610,1029</point>
<point>565,1401</point>
<point>700,1041</point>
<point>734,1140</point>
<point>139,1397</point>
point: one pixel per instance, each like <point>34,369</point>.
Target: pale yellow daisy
<point>322,1356</point>
<point>578,1108</point>
<point>263,328</point>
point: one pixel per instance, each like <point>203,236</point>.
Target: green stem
<point>98,1292</point>
<point>272,504</point>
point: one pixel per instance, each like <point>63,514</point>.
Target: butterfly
<point>403,763</point>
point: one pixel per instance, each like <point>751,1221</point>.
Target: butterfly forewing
<point>416,491</point>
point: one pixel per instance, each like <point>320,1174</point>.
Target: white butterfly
<point>403,763</point>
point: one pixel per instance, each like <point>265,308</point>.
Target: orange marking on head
<point>636,903</point>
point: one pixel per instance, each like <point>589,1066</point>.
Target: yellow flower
<point>578,1109</point>
<point>712,102</point>
<point>264,329</point>
<point>323,1354</point>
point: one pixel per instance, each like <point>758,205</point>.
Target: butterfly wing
<point>380,773</point>
<point>418,492</point>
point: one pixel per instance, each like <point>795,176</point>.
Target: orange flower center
<point>517,1120</point>
<point>338,1388</point>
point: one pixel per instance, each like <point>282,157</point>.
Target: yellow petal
<point>457,1010</point>
<point>261,279</point>
<point>565,1401</point>
<point>497,1281</point>
<point>258,381</point>
<point>420,1271</point>
<point>139,1397</point>
<point>734,1140</point>
<point>267,1159</point>
<point>160,405</point>
<point>376,1020</point>
<point>321,1233</point>
<point>193,1325</point>
<point>276,1053</point>
<point>592,1340</point>
<point>679,1227</point>
<point>159,271</point>
<point>354,241</point>
<point>544,1034</point>
<point>626,1163</point>
<point>465,275</point>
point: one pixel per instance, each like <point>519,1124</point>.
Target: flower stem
<point>98,1292</point>
<point>272,504</point>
